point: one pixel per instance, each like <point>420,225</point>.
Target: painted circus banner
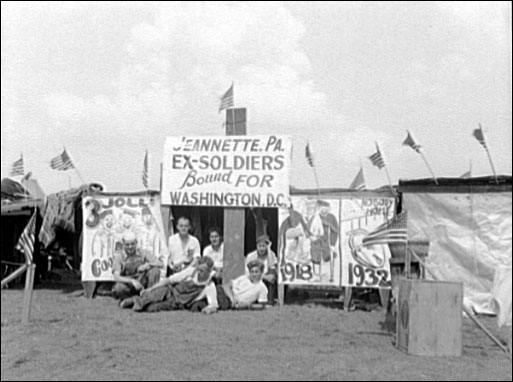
<point>309,238</point>
<point>231,171</point>
<point>106,218</point>
<point>365,263</point>
<point>321,241</point>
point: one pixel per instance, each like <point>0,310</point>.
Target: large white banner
<point>228,171</point>
<point>469,240</point>
<point>107,218</point>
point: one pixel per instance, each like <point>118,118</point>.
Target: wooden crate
<point>429,317</point>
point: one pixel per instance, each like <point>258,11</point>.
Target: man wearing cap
<point>265,255</point>
<point>132,270</point>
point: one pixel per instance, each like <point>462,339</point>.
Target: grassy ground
<point>73,338</point>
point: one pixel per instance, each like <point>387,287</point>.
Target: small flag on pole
<point>377,158</point>
<point>394,231</point>
<point>28,236</point>
<point>479,134</point>
<point>466,175</point>
<point>410,141</point>
<point>358,182</point>
<point>145,171</point>
<point>308,154</point>
<point>17,167</point>
<point>227,99</point>
<point>62,162</point>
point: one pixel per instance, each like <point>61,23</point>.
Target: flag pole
<point>75,167</point>
<point>428,166</point>
<point>317,182</point>
<point>490,158</point>
<point>388,177</point>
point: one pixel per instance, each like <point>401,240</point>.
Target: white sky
<point>109,80</point>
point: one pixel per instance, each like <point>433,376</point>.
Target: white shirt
<point>178,249</point>
<point>247,292</point>
<point>217,256</point>
<point>209,292</point>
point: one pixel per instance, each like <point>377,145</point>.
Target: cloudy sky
<point>110,80</point>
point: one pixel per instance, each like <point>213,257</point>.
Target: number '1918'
<point>292,272</point>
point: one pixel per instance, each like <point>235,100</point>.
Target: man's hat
<point>263,238</point>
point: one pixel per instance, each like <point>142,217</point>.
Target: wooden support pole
<point>14,275</point>
<point>234,218</point>
<point>27,297</point>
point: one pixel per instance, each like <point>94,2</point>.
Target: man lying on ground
<point>244,292</point>
<point>178,291</point>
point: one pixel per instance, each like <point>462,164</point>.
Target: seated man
<point>265,255</point>
<point>245,292</point>
<point>178,291</point>
<point>132,270</point>
<point>184,249</point>
<point>215,251</point>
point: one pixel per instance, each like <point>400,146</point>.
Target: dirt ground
<point>74,338</point>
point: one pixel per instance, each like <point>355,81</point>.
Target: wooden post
<point>27,297</point>
<point>234,218</point>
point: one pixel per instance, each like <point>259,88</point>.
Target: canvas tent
<point>468,225</point>
<point>56,220</point>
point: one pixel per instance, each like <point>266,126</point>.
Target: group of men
<point>193,281</point>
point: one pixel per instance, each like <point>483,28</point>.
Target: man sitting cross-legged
<point>178,291</point>
<point>245,292</point>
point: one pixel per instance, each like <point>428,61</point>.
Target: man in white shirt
<point>265,255</point>
<point>244,292</point>
<point>216,252</point>
<point>184,249</point>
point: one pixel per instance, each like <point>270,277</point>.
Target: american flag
<point>393,231</point>
<point>410,141</point>
<point>62,162</point>
<point>27,238</point>
<point>358,182</point>
<point>377,158</point>
<point>226,99</point>
<point>308,154</point>
<point>145,171</point>
<point>17,167</point>
<point>479,134</point>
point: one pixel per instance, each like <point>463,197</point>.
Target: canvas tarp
<point>470,238</point>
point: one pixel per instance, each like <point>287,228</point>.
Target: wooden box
<point>429,317</point>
